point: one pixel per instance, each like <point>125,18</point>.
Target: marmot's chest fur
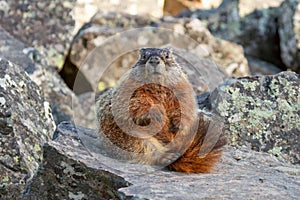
<point>166,103</point>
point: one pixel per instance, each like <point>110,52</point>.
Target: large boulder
<point>55,90</point>
<point>26,123</point>
<point>74,168</point>
<point>262,113</point>
<point>45,25</point>
<point>109,43</point>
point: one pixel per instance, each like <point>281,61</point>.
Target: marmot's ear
<point>142,54</point>
<point>169,51</point>
<point>142,50</point>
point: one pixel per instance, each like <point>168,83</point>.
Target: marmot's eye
<point>142,56</point>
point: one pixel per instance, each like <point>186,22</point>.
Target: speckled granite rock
<point>74,171</point>
<point>45,25</point>
<point>116,37</point>
<point>26,123</point>
<point>289,32</point>
<point>55,90</point>
<point>262,113</point>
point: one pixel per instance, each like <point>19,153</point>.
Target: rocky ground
<point>50,76</point>
<point>77,171</point>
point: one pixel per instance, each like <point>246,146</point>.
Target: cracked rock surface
<point>26,123</point>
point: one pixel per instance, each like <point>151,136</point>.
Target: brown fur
<point>130,114</point>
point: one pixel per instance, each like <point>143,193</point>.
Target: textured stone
<point>55,90</point>
<point>72,170</point>
<point>19,53</point>
<point>262,113</point>
<point>45,25</point>
<point>26,123</point>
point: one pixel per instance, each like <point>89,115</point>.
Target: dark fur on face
<point>165,54</point>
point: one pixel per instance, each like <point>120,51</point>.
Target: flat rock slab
<point>74,168</point>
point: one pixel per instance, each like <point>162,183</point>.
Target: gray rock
<point>224,19</point>
<point>44,25</point>
<point>26,123</point>
<point>19,53</point>
<point>259,36</point>
<point>113,39</point>
<point>262,113</point>
<point>289,32</point>
<point>72,170</point>
<point>55,90</point>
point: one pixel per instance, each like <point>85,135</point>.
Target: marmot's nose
<point>154,60</point>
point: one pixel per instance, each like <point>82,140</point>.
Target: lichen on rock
<point>26,123</point>
<point>263,113</point>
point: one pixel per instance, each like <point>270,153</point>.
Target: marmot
<point>152,117</point>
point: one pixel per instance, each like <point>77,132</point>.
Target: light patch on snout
<point>156,69</point>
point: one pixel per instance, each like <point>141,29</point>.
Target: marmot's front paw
<point>155,115</point>
<point>142,121</point>
<point>168,158</point>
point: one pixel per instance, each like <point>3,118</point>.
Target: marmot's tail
<point>207,140</point>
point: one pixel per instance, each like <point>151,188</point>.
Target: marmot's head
<point>156,65</point>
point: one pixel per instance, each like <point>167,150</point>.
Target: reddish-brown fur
<point>191,160</point>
